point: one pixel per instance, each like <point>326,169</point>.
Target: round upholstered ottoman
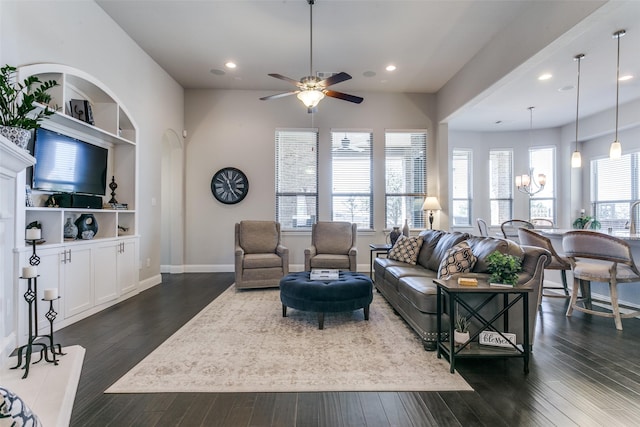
<point>351,291</point>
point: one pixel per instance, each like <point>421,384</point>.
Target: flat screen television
<point>68,165</point>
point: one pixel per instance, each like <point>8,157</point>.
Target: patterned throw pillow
<point>458,259</point>
<point>406,249</point>
<point>14,411</point>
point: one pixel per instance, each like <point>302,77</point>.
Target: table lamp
<point>431,204</point>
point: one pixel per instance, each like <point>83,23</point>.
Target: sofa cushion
<point>406,249</point>
<point>482,247</point>
<point>330,261</point>
<point>258,236</point>
<point>458,259</point>
<point>421,292</point>
<point>447,241</point>
<point>429,241</point>
<point>251,261</point>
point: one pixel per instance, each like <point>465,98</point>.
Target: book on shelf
<point>324,274</point>
<point>116,206</point>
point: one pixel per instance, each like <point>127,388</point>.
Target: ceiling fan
<point>310,89</point>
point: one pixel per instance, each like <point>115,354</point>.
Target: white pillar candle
<point>28,272</point>
<point>33,233</point>
<point>51,294</point>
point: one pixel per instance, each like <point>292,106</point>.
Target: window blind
<point>405,177</point>
<point>501,185</point>
<point>296,177</point>
<point>461,192</point>
<point>351,166</point>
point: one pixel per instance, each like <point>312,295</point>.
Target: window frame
<point>509,186</point>
<point>468,154</point>
<point>408,198</point>
<point>279,195</point>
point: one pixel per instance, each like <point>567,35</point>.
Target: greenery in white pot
<point>461,332</point>
<point>17,104</point>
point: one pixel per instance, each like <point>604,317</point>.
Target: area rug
<point>240,343</point>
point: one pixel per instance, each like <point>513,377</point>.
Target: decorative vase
<point>460,337</point>
<point>18,136</point>
<point>70,230</point>
<point>393,236</point>
<point>87,226</point>
<point>405,229</point>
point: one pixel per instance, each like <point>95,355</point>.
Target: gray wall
<point>235,128</point>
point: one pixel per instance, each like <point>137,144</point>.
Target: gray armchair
<point>333,245</point>
<point>260,258</point>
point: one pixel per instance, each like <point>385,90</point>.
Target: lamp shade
<point>615,151</point>
<point>576,159</point>
<point>310,97</point>
<point>431,203</point>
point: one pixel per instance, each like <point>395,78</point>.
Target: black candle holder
<point>26,351</point>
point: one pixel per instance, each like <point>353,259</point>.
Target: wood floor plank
<point>582,372</point>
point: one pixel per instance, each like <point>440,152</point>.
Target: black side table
<point>456,298</point>
<point>378,249</point>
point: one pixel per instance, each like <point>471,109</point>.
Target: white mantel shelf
<point>14,158</point>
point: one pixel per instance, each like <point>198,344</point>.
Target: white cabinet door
<point>127,267</point>
<point>105,265</point>
<point>78,286</point>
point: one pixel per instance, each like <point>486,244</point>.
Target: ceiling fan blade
<point>336,78</point>
<point>343,96</point>
<point>278,95</point>
<point>285,78</point>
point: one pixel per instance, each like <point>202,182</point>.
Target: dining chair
<point>602,258</point>
<point>482,227</point>
<point>542,223</point>
<point>510,228</point>
<point>558,262</point>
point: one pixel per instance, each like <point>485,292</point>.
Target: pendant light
<point>576,159</point>
<point>615,151</point>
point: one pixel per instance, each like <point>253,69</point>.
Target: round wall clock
<point>229,185</point>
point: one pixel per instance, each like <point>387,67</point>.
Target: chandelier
<point>527,183</point>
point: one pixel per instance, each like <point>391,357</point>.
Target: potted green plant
<point>582,220</point>
<point>18,115</point>
<point>461,332</point>
<point>504,268</point>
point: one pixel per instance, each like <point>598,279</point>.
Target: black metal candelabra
<point>25,352</point>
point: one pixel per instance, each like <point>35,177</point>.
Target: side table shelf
<point>488,293</point>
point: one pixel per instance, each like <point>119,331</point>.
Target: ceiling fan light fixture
<point>310,97</point>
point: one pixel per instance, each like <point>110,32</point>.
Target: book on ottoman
<point>320,274</point>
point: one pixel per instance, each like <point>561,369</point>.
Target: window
<point>542,204</point>
<point>351,160</point>
<point>501,185</point>
<point>614,187</point>
<point>296,178</point>
<point>461,181</point>
<point>405,177</point>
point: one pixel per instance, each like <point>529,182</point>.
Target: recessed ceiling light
<point>545,76</point>
<point>390,67</point>
<point>217,72</point>
<point>626,77</point>
<point>230,64</point>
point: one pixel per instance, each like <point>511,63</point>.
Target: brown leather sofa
<point>411,292</point>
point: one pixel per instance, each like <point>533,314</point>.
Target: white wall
<point>235,128</point>
<point>80,34</point>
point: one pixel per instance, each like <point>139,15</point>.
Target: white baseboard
<point>150,282</point>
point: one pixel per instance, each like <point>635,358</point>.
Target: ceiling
<point>429,41</point>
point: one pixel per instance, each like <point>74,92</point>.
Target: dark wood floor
<point>583,372</point>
